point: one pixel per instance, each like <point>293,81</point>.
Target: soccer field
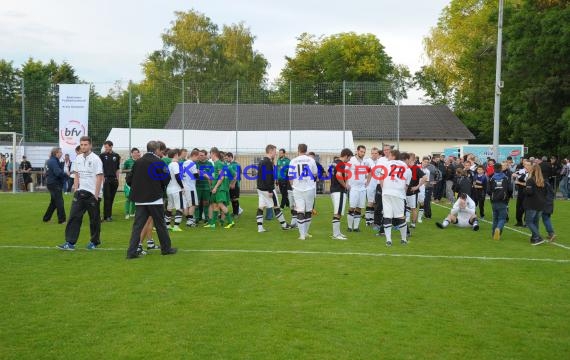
<point>237,294</point>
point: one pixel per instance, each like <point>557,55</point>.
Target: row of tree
<point>535,99</point>
<point>201,63</point>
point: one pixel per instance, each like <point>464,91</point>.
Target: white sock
<point>388,232</point>
<point>420,215</point>
<point>356,218</point>
<point>301,226</point>
<point>336,227</point>
<point>404,231</point>
<point>307,225</point>
<point>445,223</point>
<point>350,219</point>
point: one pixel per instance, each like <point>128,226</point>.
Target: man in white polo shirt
<point>87,186</point>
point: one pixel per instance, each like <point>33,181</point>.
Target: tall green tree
<point>209,61</point>
<point>537,77</point>
<point>10,98</point>
<point>461,72</point>
<point>41,97</point>
<point>326,62</point>
<point>461,53</point>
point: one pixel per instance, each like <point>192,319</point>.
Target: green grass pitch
<point>237,294</point>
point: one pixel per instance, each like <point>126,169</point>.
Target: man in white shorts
<point>189,175</point>
<point>357,188</point>
<point>412,194</point>
<point>302,174</point>
<point>338,192</point>
<point>267,197</point>
<point>174,192</point>
<point>462,214</point>
<point>373,163</point>
<point>394,185</point>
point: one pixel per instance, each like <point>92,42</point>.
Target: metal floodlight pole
<point>344,114</point>
<point>237,114</point>
<point>498,84</point>
<point>130,113</point>
<point>398,120</point>
<point>14,178</point>
<point>24,112</point>
<point>290,113</point>
<point>183,115</point>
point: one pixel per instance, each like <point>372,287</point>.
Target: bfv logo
<point>71,132</point>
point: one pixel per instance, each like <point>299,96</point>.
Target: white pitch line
<point>510,228</point>
<point>332,253</point>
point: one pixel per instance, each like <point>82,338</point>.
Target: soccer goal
<point>12,150</point>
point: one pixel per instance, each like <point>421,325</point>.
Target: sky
<point>107,40</point>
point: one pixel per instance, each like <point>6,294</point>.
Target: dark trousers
<point>438,190</point>
<point>284,188</point>
<point>142,213</point>
<point>520,208</point>
<point>479,197</point>
<point>83,201</point>
<point>378,208</point>
<point>56,202</point>
<point>109,190</point>
<point>234,197</point>
<point>427,203</point>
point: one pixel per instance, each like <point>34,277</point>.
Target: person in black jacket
<point>535,202</point>
<point>148,182</point>
<point>499,191</point>
<point>267,197</point>
<point>462,183</point>
<point>55,177</point>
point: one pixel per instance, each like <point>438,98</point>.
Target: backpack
<point>499,189</point>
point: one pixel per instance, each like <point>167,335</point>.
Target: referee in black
<point>111,170</point>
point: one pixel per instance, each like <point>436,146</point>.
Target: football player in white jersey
<point>175,192</point>
<point>189,175</point>
<point>462,214</point>
<point>394,185</point>
<point>302,174</point>
<point>357,188</point>
<point>373,163</point>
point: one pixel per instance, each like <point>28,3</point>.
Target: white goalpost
<point>12,149</point>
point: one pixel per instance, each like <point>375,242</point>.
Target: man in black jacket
<point>267,196</point>
<point>148,181</point>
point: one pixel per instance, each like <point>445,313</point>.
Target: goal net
<point>11,150</point>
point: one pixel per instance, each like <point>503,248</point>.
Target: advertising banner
<point>73,115</point>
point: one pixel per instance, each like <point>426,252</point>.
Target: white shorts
<point>304,200</point>
<point>463,218</point>
<point>371,192</point>
<point>412,201</point>
<point>176,201</point>
<point>191,198</point>
<point>357,198</point>
<point>267,199</point>
<point>422,196</point>
<point>339,201</point>
<point>393,206</point>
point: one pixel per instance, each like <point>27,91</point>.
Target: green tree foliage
<point>10,98</point>
<point>536,42</point>
<point>209,61</point>
<point>537,77</point>
<point>461,51</point>
<point>325,62</point>
<point>42,95</point>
